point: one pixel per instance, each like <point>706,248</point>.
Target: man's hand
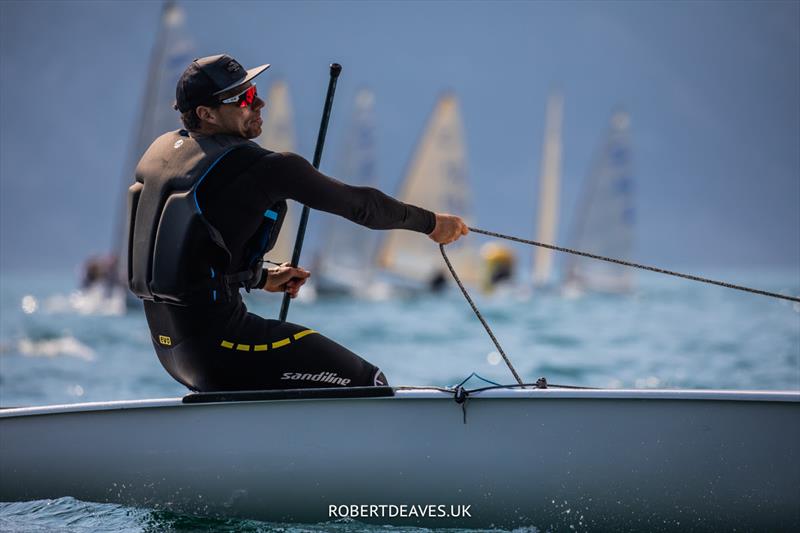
<point>286,278</point>
<point>449,228</point>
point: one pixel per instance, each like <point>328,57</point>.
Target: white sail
<point>605,220</point>
<point>176,52</point>
<point>278,136</point>
<point>346,259</point>
<point>436,180</point>
<point>172,53</point>
<point>549,185</point>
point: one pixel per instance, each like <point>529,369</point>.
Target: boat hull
<point>649,460</point>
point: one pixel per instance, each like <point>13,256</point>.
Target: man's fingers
<point>448,229</point>
<point>299,272</point>
<point>295,283</point>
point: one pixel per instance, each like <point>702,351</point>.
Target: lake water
<point>669,334</point>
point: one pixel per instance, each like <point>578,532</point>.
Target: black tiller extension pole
<point>336,69</point>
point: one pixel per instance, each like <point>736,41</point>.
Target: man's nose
<point>258,103</point>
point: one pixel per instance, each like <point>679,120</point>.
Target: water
<point>669,334</point>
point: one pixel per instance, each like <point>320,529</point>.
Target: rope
<point>450,390</point>
<point>637,265</point>
<point>540,384</point>
<point>478,314</point>
<point>459,389</point>
<point>477,376</point>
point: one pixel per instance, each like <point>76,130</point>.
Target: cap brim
<point>251,73</point>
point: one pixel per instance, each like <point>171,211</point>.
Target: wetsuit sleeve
<point>262,280</point>
<point>288,175</point>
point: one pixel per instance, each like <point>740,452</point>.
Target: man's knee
<point>379,379</point>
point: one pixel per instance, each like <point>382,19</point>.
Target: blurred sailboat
<point>499,260</point>
<point>104,281</point>
<point>345,263</point>
<point>605,221</point>
<point>436,180</point>
<point>278,136</point>
<point>549,188</point>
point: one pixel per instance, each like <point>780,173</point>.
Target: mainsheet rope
<point>591,256</point>
<point>637,265</point>
<point>479,315</point>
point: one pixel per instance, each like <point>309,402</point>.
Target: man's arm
<point>291,176</point>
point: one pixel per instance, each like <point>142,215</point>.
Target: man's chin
<point>254,132</point>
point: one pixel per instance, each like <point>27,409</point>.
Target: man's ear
<point>206,114</point>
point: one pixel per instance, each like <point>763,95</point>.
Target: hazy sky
<point>713,90</point>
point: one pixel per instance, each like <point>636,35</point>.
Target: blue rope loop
<point>477,376</point>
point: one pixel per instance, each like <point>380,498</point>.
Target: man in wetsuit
<point>207,203</point>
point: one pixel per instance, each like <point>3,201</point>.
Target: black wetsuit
<point>222,346</point>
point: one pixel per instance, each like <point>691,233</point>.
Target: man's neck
<point>206,130</point>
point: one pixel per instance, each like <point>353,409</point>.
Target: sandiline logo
<point>325,377</point>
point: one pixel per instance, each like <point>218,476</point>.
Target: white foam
<point>62,346</point>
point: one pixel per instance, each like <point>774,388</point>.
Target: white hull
<point>646,460</point>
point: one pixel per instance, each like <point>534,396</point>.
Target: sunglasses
<point>245,99</point>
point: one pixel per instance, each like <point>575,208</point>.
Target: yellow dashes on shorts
<point>301,334</point>
<point>282,342</point>
<point>263,347</point>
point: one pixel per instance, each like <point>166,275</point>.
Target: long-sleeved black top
<point>249,179</point>
<point>234,196</point>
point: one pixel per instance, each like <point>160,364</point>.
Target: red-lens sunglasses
<point>245,99</point>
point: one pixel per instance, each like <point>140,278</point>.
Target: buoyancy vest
<point>174,254</point>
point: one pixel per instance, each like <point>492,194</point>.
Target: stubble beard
<point>254,127</point>
<point>254,131</point>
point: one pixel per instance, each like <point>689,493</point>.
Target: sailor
<point>498,265</point>
<point>207,203</point>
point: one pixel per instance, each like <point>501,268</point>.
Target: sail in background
<point>549,185</point>
<point>346,258</point>
<point>605,218</point>
<point>172,53</point>
<point>277,135</point>
<point>436,180</point>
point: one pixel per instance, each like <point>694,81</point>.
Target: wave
<point>67,346</point>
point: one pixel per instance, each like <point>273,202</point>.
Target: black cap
<point>207,77</point>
